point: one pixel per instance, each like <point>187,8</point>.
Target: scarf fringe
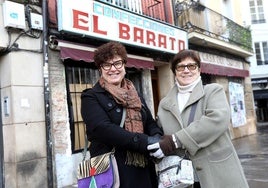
<point>136,159</point>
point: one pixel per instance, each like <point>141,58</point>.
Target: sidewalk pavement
<point>252,151</point>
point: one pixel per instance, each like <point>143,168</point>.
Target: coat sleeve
<point>101,129</point>
<point>213,123</point>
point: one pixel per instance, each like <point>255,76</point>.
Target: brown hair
<point>107,51</point>
<point>182,55</point>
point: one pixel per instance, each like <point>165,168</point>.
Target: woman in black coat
<point>102,108</point>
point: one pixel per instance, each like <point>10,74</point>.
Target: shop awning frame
<point>209,68</point>
<point>80,52</point>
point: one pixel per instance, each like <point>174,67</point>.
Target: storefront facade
<point>150,45</point>
<point>260,91</point>
<point>233,74</point>
<point>43,132</point>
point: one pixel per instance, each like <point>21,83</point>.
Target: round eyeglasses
<point>190,67</point>
<point>117,64</point>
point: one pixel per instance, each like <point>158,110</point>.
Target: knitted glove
<point>167,145</point>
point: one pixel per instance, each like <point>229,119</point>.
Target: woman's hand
<point>165,146</point>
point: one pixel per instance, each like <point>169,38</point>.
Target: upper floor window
<point>261,51</point>
<point>256,11</point>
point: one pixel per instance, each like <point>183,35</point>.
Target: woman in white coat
<point>206,139</point>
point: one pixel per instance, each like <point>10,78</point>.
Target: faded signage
<point>218,60</point>
<point>100,20</point>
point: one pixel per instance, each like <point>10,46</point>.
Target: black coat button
<point>110,104</point>
<point>136,138</point>
<point>118,110</point>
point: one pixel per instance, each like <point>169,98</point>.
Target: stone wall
<point>24,131</point>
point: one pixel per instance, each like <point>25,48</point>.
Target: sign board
<point>100,20</point>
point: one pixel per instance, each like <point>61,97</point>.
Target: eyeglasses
<point>190,67</point>
<point>117,64</point>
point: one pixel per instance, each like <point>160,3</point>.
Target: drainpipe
<point>47,96</point>
<point>2,184</point>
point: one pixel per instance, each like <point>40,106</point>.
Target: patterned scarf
<point>128,97</point>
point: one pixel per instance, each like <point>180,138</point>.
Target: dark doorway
<point>155,88</point>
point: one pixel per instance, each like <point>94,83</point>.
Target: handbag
<point>175,171</point>
<point>100,171</point>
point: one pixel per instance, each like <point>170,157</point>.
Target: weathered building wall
<point>24,134</point>
<point>250,126</point>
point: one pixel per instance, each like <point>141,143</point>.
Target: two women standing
<point>205,139</point>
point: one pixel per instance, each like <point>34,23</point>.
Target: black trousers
<point>197,185</point>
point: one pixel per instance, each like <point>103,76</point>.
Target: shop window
<point>78,78</point>
<point>134,75</point>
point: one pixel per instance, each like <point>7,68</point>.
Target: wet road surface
<point>252,151</point>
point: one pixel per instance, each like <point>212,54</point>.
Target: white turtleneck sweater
<point>184,93</point>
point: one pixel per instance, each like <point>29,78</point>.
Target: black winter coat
<point>102,116</point>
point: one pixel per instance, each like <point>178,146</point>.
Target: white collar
<point>188,88</point>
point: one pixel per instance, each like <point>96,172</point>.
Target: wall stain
<point>29,156</point>
<point>27,168</point>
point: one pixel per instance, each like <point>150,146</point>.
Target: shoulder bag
<point>175,171</point>
<point>99,171</point>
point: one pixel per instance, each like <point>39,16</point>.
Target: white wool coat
<point>207,138</point>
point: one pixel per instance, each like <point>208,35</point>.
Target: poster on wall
<point>237,103</point>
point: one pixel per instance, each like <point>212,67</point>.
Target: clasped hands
<point>160,147</point>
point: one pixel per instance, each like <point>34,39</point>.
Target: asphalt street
<point>253,154</point>
<point>252,151</point>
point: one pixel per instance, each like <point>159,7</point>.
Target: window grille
<point>78,79</point>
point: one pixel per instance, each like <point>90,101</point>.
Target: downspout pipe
<point>50,181</point>
<point>2,182</point>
